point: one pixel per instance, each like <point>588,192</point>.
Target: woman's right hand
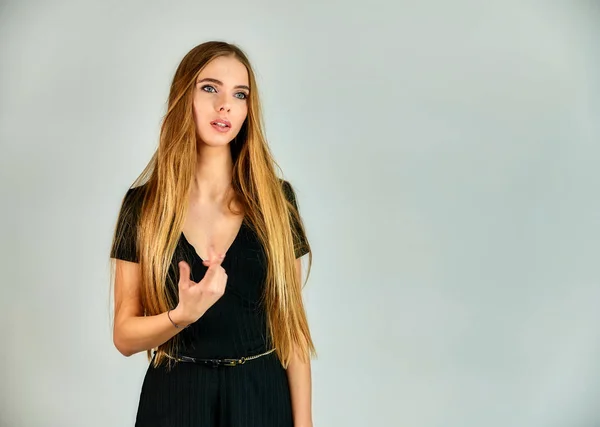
<point>196,298</point>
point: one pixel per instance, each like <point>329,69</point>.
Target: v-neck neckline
<point>235,239</point>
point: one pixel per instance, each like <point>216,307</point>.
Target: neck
<point>214,170</point>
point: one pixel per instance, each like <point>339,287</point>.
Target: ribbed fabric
<point>255,394</point>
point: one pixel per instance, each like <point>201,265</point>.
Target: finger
<point>184,274</point>
<point>217,261</point>
<point>213,256</point>
<point>214,265</point>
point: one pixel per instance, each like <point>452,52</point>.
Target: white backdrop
<point>445,159</point>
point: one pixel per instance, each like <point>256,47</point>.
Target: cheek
<point>197,113</point>
<point>242,115</point>
<point>201,108</point>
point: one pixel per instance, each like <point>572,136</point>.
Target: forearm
<point>139,333</point>
<point>299,379</point>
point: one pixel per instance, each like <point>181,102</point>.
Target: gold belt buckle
<point>235,362</point>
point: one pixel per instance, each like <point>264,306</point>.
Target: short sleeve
<point>301,246</point>
<point>125,238</point>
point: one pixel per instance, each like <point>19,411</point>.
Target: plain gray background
<point>445,158</point>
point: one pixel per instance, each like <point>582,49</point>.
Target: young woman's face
<point>221,94</point>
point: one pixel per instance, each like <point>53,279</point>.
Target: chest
<point>245,264</point>
<point>210,231</point>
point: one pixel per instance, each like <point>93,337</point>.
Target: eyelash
<point>243,93</point>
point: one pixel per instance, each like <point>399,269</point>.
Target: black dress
<point>254,394</point>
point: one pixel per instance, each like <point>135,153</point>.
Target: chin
<point>215,142</point>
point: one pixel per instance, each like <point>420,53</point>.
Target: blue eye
<point>205,87</point>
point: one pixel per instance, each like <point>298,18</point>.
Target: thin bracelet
<point>174,324</point>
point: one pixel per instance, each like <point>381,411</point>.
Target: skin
<point>209,227</point>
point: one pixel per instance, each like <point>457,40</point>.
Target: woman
<point>207,272</point>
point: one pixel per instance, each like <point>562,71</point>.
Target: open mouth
<point>221,125</point>
<point>220,128</point>
<point>221,122</point>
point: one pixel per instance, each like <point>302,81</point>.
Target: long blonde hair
<point>168,177</point>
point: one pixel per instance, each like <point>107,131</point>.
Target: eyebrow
<point>219,82</point>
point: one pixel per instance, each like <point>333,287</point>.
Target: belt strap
<point>218,362</point>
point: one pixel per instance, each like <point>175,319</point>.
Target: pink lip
<point>221,129</point>
<point>222,121</point>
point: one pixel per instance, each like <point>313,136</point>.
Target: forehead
<point>227,69</point>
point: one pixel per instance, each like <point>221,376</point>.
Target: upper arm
<point>128,280</point>
<point>124,249</point>
<point>125,245</point>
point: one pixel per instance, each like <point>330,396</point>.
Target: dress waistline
<point>215,363</point>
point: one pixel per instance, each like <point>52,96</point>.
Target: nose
<point>223,104</point>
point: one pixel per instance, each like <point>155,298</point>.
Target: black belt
<point>215,363</point>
